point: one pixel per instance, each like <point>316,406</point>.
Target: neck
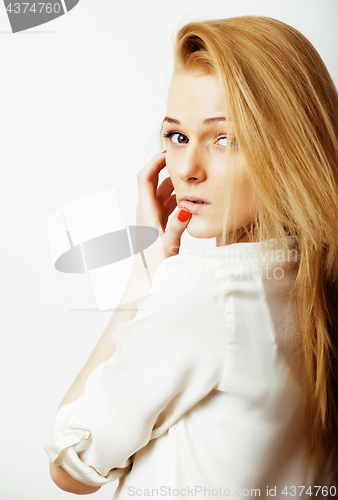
<point>240,236</point>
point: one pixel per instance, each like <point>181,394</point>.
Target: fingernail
<point>183,215</point>
<point>164,151</point>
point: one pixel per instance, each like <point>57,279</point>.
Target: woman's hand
<point>153,209</point>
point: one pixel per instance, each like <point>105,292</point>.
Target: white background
<point>81,101</point>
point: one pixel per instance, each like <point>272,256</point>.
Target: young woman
<point>225,381</point>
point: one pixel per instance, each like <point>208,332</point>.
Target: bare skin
<point>197,159</point>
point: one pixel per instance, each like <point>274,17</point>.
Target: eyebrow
<point>205,122</point>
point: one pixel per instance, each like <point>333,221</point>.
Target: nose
<point>192,166</point>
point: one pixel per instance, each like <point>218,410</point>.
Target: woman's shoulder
<point>191,275</point>
<point>199,275</point>
<point>183,281</point>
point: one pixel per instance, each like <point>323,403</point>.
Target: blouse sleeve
<point>168,358</point>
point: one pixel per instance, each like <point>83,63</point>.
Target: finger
<point>164,190</point>
<point>147,177</point>
<point>177,225</point>
<point>149,208</point>
<point>168,207</point>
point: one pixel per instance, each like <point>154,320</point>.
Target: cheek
<point>247,198</point>
<point>246,186</point>
<point>171,169</point>
<point>242,179</point>
<point>238,188</point>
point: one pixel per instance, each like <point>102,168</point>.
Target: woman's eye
<point>179,138</point>
<point>223,141</point>
<point>227,141</point>
<point>176,137</point>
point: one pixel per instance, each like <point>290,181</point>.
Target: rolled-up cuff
<point>70,436</point>
<point>71,463</point>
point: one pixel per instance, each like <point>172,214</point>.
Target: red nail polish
<point>164,151</point>
<point>183,215</point>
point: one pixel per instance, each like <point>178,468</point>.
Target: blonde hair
<point>284,108</point>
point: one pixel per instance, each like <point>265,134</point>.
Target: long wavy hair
<point>284,110</point>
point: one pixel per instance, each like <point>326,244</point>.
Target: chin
<point>200,230</point>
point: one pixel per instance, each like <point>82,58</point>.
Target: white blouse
<point>195,401</point>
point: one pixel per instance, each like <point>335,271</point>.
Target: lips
<point>194,204</point>
<point>193,199</point>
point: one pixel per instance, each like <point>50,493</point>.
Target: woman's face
<point>198,137</point>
